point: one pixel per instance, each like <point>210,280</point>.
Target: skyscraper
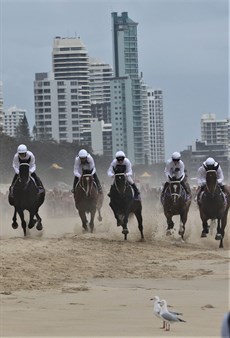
<point>126,92</point>
<point>156,123</point>
<point>62,98</point>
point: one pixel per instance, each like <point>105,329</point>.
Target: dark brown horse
<point>123,204</point>
<point>88,200</point>
<point>26,197</point>
<point>175,202</point>
<point>213,204</point>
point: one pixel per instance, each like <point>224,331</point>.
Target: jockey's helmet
<point>120,155</point>
<point>176,156</point>
<point>22,148</point>
<point>209,161</point>
<point>82,153</point>
<point>210,164</point>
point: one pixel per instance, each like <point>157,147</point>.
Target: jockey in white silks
<point>84,161</point>
<point>175,168</point>
<point>122,160</point>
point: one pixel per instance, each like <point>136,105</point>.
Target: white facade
<point>11,119</point>
<point>156,122</point>
<point>100,74</point>
<point>215,131</point>
<point>62,99</point>
<point>101,137</point>
<point>58,109</point>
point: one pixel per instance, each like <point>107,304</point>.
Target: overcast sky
<point>182,48</point>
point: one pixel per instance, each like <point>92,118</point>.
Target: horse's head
<point>120,182</point>
<point>211,181</point>
<point>86,182</point>
<point>24,173</point>
<point>175,188</point>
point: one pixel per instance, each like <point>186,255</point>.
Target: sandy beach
<point>63,283</point>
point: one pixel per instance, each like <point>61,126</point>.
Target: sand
<point>64,283</point>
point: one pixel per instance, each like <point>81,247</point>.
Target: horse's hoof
<point>39,226</point>
<point>32,224</point>
<point>125,231</point>
<point>203,234</point>
<point>218,237</point>
<point>14,225</point>
<point>169,232</point>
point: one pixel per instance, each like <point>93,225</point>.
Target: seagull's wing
<point>176,313</point>
<point>169,317</point>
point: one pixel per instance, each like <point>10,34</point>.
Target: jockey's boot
<point>137,195</point>
<point>76,179</point>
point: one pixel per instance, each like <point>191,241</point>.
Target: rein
<point>88,188</point>
<point>115,182</point>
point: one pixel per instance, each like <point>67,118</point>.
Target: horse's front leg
<point>125,230</point>
<point>23,222</point>
<point>140,222</point>
<point>183,220</point>
<point>170,224</point>
<point>32,221</point>
<point>91,223</point>
<point>14,219</point>
<point>83,219</point>
<point>39,226</point>
<point>205,230</point>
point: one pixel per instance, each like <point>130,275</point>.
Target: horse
<point>88,200</point>
<point>175,202</point>
<point>123,204</point>
<point>213,204</point>
<point>25,196</point>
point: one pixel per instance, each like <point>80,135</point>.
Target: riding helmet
<point>82,153</point>
<point>120,154</point>
<point>22,148</point>
<point>176,156</point>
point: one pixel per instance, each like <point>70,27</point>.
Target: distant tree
<point>22,130</point>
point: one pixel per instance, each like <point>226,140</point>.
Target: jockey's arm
<point>128,171</point>
<point>92,164</point>
<point>110,171</point>
<point>201,177</point>
<point>77,168</point>
<point>220,176</point>
<point>32,164</point>
<point>16,164</point>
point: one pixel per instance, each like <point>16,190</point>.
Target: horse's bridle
<point>115,183</point>
<point>89,186</point>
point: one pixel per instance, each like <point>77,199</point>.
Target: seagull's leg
<point>163,327</point>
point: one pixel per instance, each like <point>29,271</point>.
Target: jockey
<point>175,168</point>
<point>25,156</point>
<point>209,164</point>
<point>85,161</point>
<point>122,160</point>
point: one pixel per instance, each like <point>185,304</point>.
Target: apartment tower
<point>126,92</point>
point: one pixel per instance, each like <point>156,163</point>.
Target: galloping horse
<point>213,204</point>
<point>123,204</point>
<point>88,200</point>
<point>26,197</point>
<point>175,202</point>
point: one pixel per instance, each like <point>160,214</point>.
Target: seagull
<point>157,308</point>
<point>169,316</point>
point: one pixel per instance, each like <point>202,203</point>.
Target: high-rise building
<point>214,131</point>
<point>100,74</point>
<point>156,122</point>
<point>126,92</point>
<point>62,98</point>
<point>11,119</point>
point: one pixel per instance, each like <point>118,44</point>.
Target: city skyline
<point>182,49</point>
